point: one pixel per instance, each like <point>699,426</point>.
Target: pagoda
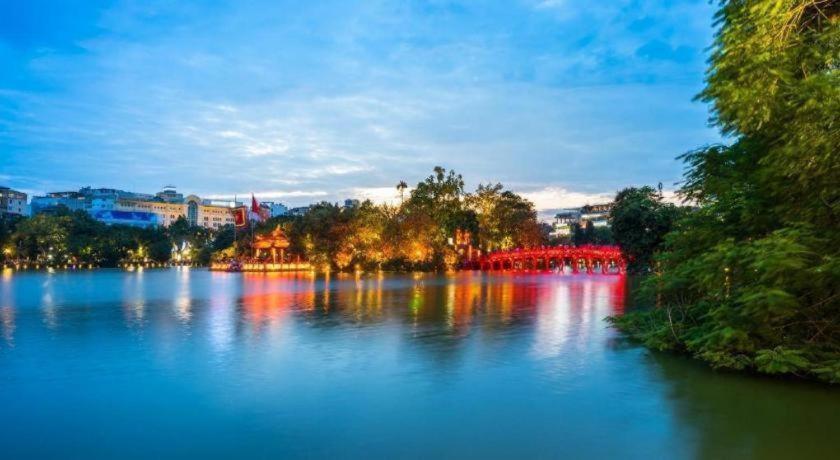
<point>273,243</point>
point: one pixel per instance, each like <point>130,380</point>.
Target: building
<point>209,214</point>
<point>169,205</point>
<point>598,214</point>
<point>112,194</point>
<point>50,202</point>
<point>86,199</point>
<point>134,219</point>
<point>564,220</point>
<point>166,213</point>
<point>352,203</point>
<point>299,211</point>
<point>114,206</point>
<point>275,209</point>
<point>169,195</point>
<point>13,202</point>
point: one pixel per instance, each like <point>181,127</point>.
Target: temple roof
<point>276,239</point>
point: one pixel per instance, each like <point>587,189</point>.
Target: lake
<point>187,362</point>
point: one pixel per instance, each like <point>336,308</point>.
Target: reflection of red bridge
<point>588,259</point>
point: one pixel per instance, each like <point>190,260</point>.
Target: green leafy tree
<point>8,225</point>
<point>504,219</point>
<point>751,278</point>
<point>640,220</point>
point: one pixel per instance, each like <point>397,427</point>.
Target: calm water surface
<point>183,362</point>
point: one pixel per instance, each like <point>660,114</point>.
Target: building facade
<point>168,206</point>
<point>134,219</point>
<point>275,209</point>
<point>299,211</point>
<point>566,219</point>
<point>598,214</point>
<point>114,206</point>
<point>13,202</point>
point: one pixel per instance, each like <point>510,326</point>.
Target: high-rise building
<point>13,202</point>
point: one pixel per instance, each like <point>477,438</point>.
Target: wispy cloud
<point>579,98</point>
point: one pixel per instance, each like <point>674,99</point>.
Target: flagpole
<point>235,252</point>
<point>251,223</point>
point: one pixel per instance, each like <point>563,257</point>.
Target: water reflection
<point>276,360</point>
<point>183,299</point>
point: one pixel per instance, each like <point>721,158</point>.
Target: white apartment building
<point>13,202</point>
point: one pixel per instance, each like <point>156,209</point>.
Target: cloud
<point>379,195</point>
<point>575,96</point>
<point>550,4</point>
<point>557,197</point>
<point>267,195</point>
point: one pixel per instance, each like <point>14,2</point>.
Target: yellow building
<point>208,214</point>
<point>204,213</point>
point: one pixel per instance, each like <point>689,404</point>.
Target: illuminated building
<point>113,206</point>
<point>208,213</point>
<point>13,202</point>
<point>273,244</point>
<point>170,205</point>
<point>565,219</point>
<point>598,214</point>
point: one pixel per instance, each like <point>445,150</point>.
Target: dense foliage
<point>68,238</point>
<point>417,234</point>
<point>640,219</point>
<point>751,279</point>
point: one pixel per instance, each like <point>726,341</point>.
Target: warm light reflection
<point>572,310</point>
<point>183,299</point>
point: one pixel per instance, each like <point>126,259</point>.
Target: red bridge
<point>574,259</point>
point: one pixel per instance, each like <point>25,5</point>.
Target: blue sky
<point>563,101</point>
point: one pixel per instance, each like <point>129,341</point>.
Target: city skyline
<point>560,102</point>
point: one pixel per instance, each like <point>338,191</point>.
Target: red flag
<point>240,216</point>
<point>255,210</point>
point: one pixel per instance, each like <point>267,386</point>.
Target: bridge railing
<point>579,259</point>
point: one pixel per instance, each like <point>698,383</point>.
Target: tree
<point>42,239</point>
<point>223,238</point>
<point>8,225</point>
<point>749,280</point>
<point>401,186</point>
<point>640,220</point>
<point>504,219</point>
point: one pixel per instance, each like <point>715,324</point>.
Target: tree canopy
<point>751,278</point>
